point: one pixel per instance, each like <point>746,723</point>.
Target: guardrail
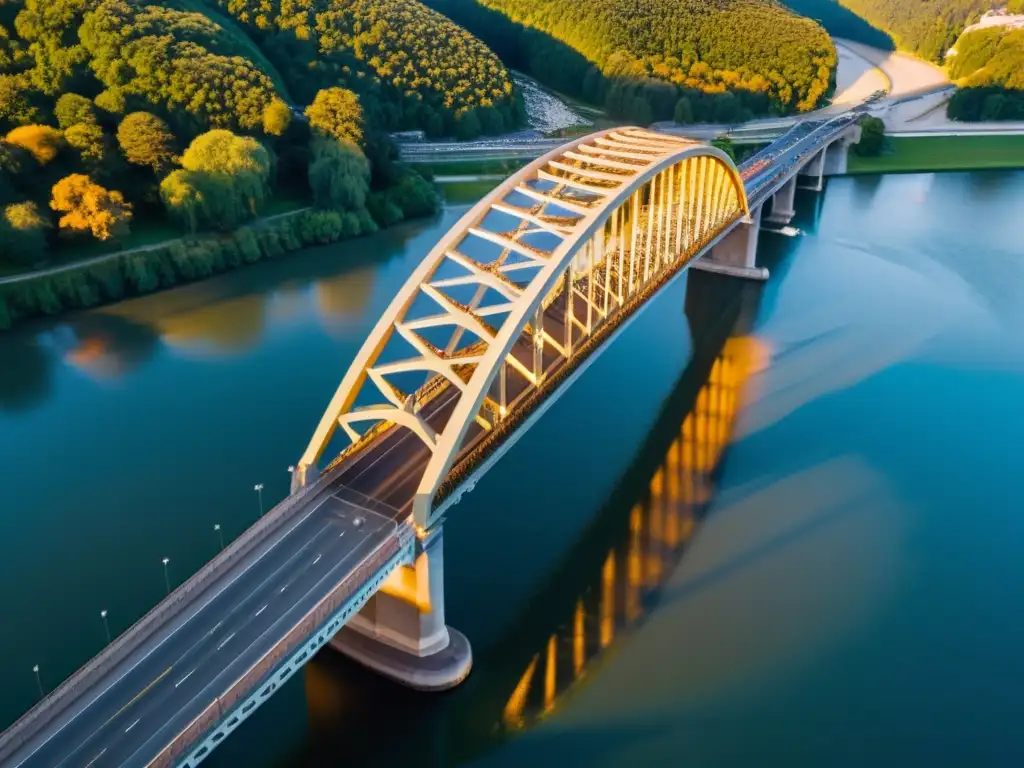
<point>128,642</point>
<point>266,667</point>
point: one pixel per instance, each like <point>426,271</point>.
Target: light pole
<point>167,579</point>
<point>39,681</point>
<point>106,626</point>
<point>259,492</point>
<point>220,536</point>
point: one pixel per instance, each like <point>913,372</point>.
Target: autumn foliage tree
<point>40,141</point>
<point>336,112</point>
<point>23,233</point>
<point>88,207</point>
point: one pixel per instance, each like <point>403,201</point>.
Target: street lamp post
<point>259,492</point>
<point>167,579</point>
<point>220,536</point>
<point>39,681</point>
<point>106,626</point>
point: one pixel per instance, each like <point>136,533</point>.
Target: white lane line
<point>96,758</point>
<point>284,588</point>
<point>174,631</point>
<point>261,610</point>
<point>225,641</point>
<point>132,725</point>
<point>341,534</point>
<point>186,677</point>
<point>317,559</point>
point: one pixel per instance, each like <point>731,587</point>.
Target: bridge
<point>505,312</point>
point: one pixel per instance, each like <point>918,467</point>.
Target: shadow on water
<point>603,587</point>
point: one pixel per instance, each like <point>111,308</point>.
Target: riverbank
<point>922,154</point>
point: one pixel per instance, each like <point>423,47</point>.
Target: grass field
<point>943,153</point>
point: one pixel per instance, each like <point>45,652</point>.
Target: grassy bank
<point>943,153</point>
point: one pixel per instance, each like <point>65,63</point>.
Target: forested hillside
<point>989,67</point>
<point>723,60</point>
<point>126,122</point>
<point>411,66</point>
<point>925,27</point>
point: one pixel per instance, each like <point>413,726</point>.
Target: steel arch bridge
<point>519,291</point>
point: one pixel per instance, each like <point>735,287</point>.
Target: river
<point>843,588</point>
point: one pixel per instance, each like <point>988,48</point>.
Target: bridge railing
<point>142,631</point>
<point>261,672</point>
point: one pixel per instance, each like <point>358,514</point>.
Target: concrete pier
<point>401,632</point>
<point>736,253</point>
<point>783,204</point>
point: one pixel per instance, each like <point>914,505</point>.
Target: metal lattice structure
<point>515,289</point>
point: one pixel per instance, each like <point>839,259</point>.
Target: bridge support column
<point>783,204</point>
<point>813,172</point>
<point>736,253</point>
<point>839,151</point>
<point>401,633</point>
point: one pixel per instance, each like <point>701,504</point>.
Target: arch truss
<point>514,291</point>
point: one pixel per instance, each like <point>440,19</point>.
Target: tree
<point>467,125</point>
<point>276,118</point>
<point>683,113</point>
<point>872,137</point>
<point>724,144</point>
<point>40,141</point>
<point>146,140</point>
<point>339,175</point>
<point>23,234</point>
<point>111,100</point>
<point>223,181</point>
<point>336,112</point>
<point>91,143</point>
<point>72,108</point>
<point>15,106</point>
<point>89,207</point>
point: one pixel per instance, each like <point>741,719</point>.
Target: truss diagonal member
<point>646,151</point>
<point>604,152</point>
<point>509,244</point>
<point>576,206</point>
<point>456,315</point>
<point>590,173</point>
<point>492,270</point>
<point>602,191</point>
<point>403,418</point>
<point>600,159</point>
<point>540,220</point>
<point>396,396</point>
<point>414,364</point>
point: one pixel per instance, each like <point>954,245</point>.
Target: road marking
<point>186,677</point>
<point>284,588</point>
<point>317,559</point>
<point>261,610</point>
<point>225,641</point>
<point>132,725</point>
<point>96,758</point>
<point>341,534</point>
<point>141,693</point>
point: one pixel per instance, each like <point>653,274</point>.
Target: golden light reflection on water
<point>660,525</point>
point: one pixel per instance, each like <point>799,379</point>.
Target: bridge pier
<point>736,253</point>
<point>401,632</point>
<point>839,150</point>
<point>813,173</point>
<point>783,204</point>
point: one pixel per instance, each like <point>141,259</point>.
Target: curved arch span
<point>520,283</point>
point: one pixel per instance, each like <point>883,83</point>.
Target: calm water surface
<point>846,588</point>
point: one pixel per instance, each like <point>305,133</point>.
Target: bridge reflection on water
<point>661,523</point>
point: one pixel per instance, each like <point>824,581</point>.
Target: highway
<point>142,704</point>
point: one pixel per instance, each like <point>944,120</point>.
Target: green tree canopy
<point>223,181</point>
<point>339,175</point>
<point>146,140</point>
<point>23,234</point>
<point>72,108</point>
